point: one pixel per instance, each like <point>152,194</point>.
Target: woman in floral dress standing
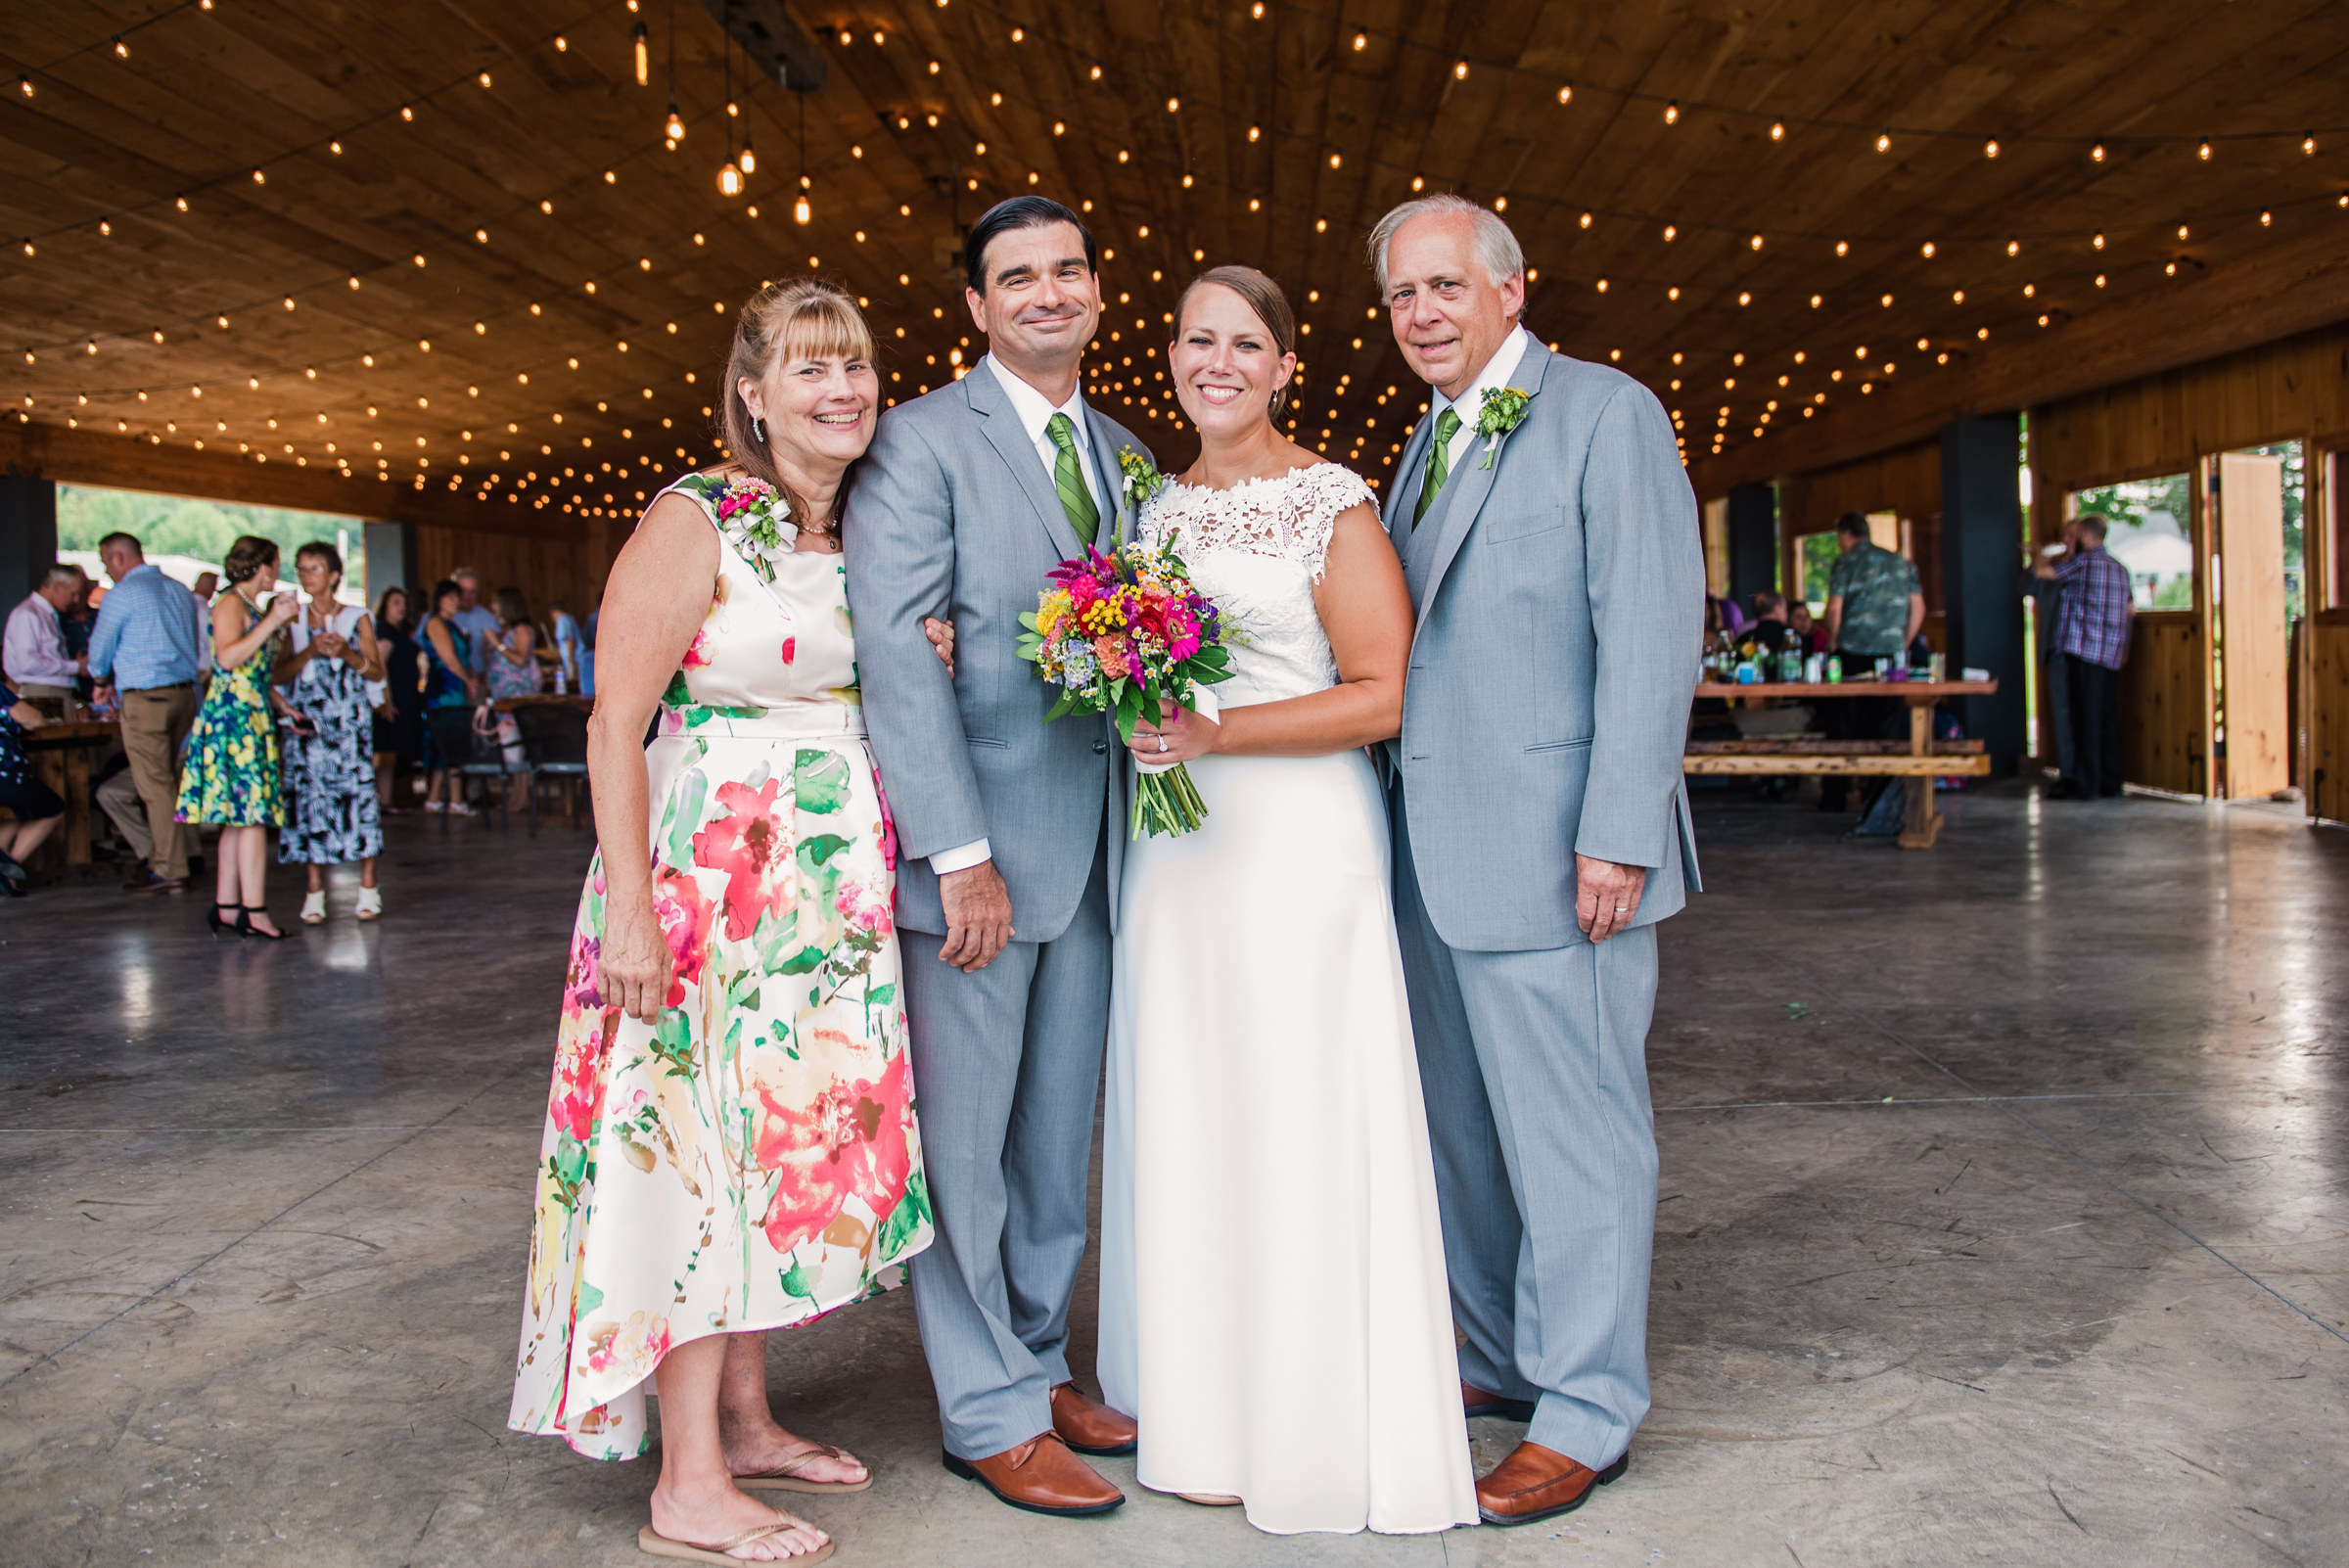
<point>230,775</point>
<point>333,812</point>
<point>730,1143</point>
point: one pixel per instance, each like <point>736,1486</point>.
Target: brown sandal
<point>785,1477</point>
<point>654,1544</point>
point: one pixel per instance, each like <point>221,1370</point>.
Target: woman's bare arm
<point>1367,609</point>
<point>655,599</point>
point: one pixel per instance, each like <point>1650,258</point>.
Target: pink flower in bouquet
<point>741,497</point>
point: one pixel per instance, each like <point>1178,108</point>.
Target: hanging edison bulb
<point>801,212</point>
<point>729,179</point>
<point>644,58</point>
<point>750,160</point>
<point>676,125</point>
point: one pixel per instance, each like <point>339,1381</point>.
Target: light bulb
<point>676,126</point>
<point>1778,130</point>
<point>801,212</point>
<point>729,179</point>
<point>1672,112</point>
<point>1884,141</point>
<point>2097,153</point>
<point>748,160</point>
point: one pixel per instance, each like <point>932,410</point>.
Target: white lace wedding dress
<point>1273,1307</point>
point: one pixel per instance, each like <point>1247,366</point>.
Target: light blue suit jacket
<point>952,514</point>
<point>1560,594</point>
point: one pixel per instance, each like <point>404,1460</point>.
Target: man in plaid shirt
<point>2092,636</point>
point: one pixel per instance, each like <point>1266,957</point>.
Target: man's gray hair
<point>57,571</point>
<point>1497,248</point>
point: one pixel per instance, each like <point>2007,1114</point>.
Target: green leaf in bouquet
<point>1067,701</point>
<point>1027,619</point>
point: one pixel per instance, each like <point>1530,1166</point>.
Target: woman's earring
<point>758,430</point>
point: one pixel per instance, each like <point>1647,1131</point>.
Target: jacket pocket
<point>986,740</point>
<point>1526,525</point>
<point>1540,747</point>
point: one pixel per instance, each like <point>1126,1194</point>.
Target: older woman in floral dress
<point>730,1143</point>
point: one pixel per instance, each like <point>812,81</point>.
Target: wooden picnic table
<point>63,756</point>
<point>1920,760</point>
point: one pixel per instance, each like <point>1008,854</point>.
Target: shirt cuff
<point>961,858</point>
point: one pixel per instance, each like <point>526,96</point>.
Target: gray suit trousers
<point>1006,1074</point>
<point>1534,1066</point>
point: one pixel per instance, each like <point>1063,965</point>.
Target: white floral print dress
<point>751,1160</point>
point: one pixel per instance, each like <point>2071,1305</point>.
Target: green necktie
<point>1075,499</point>
<point>1439,462</point>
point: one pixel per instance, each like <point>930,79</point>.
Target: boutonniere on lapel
<point>1500,411</point>
<point>1141,478</point>
<point>753,517</point>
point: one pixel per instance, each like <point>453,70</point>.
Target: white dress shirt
<point>1036,413</point>
<point>34,647</point>
<point>1496,373</point>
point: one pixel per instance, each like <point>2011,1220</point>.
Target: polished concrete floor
<point>2004,1217</point>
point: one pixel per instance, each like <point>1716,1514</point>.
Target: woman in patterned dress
<point>329,769</point>
<point>230,774</point>
<point>730,1143</point>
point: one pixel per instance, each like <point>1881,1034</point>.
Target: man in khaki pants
<point>145,645</point>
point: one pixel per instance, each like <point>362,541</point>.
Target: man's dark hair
<point>1765,601</point>
<point>127,541</point>
<point>2092,524</point>
<point>1020,212</point>
<point>1852,524</point>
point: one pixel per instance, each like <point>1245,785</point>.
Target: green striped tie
<point>1439,462</point>
<point>1075,499</point>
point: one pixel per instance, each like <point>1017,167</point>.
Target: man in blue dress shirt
<point>145,646</point>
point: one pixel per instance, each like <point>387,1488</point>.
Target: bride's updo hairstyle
<point>1263,296</point>
<point>797,318</point>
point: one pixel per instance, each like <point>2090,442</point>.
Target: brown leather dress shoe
<point>1537,1483</point>
<point>1477,1403</point>
<point>1042,1476</point>
<point>1089,1426</point>
<point>148,882</point>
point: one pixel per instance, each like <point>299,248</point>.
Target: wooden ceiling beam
<point>2293,286</point>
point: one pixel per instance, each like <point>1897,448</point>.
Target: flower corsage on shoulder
<point>1500,411</point>
<point>755,518</point>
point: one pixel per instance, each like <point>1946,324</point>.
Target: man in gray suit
<point>968,497</point>
<point>1541,830</point>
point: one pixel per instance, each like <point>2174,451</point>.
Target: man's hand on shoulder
<point>977,916</point>
<point>1606,896</point>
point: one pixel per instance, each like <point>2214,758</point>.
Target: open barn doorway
<point>2257,602</point>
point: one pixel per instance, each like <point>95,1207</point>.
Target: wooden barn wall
<point>2295,389</point>
<point>545,569</point>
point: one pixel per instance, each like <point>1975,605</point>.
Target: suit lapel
<point>1409,480</point>
<point>1009,437</point>
<point>1464,493</point>
<point>1107,439</point>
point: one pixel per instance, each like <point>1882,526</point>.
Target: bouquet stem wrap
<point>1164,800</point>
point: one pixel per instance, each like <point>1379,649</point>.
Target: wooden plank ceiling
<point>449,245</point>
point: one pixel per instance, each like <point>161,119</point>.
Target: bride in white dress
<point>1273,1308</point>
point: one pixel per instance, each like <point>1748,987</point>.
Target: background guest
<point>35,805</point>
<point>587,652</point>
<point>146,645</point>
<point>2055,691</point>
<point>449,682</point>
<point>33,651</point>
<point>476,619</point>
<point>1874,608</point>
<point>399,724</point>
<point>1811,636</point>
<point>231,774</point>
<point>333,813</point>
<point>513,662</point>
<point>1770,630</point>
<point>2091,634</point>
<point>566,646</point>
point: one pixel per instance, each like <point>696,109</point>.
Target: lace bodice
<point>1257,550</point>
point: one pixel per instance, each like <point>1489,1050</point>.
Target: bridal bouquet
<point>1118,632</point>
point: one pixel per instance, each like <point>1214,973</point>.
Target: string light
<point>1778,130</point>
<point>1672,112</point>
<point>1884,140</point>
<point>644,56</point>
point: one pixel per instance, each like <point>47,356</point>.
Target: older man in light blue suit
<point>1549,540</point>
<point>1010,833</point>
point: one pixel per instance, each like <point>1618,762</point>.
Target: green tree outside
<point>176,525</point>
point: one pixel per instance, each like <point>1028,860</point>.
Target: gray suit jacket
<point>952,514</point>
<point>1560,595</point>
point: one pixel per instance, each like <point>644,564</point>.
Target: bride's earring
<point>758,430</point>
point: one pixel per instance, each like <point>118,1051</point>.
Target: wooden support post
<point>1921,822</point>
